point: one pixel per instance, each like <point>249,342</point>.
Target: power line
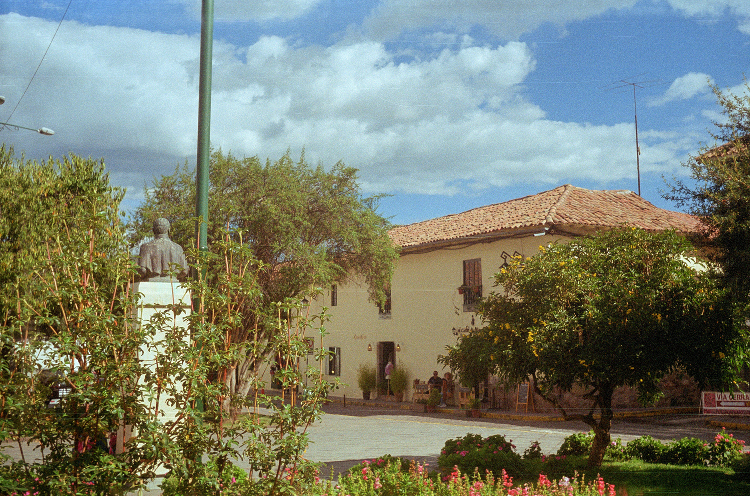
<point>40,62</point>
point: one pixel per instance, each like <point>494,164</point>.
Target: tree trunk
<point>238,383</point>
<point>601,428</point>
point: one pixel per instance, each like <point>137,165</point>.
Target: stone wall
<point>680,390</point>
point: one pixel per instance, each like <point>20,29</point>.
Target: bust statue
<point>161,255</point>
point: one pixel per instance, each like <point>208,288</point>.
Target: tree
<point>67,290</point>
<point>618,308</point>
<point>471,359</point>
<point>304,228</point>
<point>64,274</point>
<point>719,192</point>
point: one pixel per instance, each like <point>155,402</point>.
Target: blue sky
<point>443,105</point>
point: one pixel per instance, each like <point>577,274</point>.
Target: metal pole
<point>637,147</point>
<point>204,134</point>
<point>204,123</point>
<point>41,130</point>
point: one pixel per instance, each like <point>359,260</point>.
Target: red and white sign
<point>713,403</point>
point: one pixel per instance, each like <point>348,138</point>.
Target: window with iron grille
<point>334,360</point>
<point>334,295</point>
<point>384,308</point>
<point>472,286</point>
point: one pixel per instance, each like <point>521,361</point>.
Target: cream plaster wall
<point>426,306</point>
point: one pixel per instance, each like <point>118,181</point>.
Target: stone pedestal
<point>157,297</point>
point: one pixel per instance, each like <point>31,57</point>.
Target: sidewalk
<point>730,422</point>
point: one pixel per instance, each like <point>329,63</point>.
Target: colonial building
<point>447,263</point>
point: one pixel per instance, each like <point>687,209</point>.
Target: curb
<point>530,417</point>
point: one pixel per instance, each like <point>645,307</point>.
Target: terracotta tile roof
<point>726,150</point>
<point>566,209</point>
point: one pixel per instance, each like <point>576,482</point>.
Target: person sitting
<point>435,382</point>
<point>446,389</point>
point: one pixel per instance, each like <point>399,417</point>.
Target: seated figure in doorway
<point>435,382</point>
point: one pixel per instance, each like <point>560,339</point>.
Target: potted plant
<point>399,381</point>
<point>433,401</point>
<point>420,405</point>
<point>366,379</point>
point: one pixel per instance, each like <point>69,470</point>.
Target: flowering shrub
<point>381,462</point>
<point>382,476</point>
<point>725,449</point>
<point>533,452</point>
<point>723,452</point>
<point>470,452</point>
<point>686,451</point>
<point>616,450</point>
<point>392,481</point>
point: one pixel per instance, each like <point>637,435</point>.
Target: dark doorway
<point>386,352</point>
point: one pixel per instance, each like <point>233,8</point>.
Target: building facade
<point>446,264</point>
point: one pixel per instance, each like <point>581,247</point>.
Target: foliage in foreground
<point>719,191</point>
<point>618,308</point>
<point>68,305</point>
<point>390,478</point>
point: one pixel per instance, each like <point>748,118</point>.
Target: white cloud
<point>508,19</point>
<point>244,10</point>
<point>454,120</point>
<point>716,8</point>
<point>684,88</point>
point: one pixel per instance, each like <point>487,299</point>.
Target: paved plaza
<point>346,435</point>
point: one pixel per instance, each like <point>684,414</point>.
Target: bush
<point>472,452</point>
<point>380,463</point>
<point>686,451</point>
<point>533,452</point>
<point>399,379</point>
<point>725,450</point>
<point>366,378</point>
<point>617,451</point>
<point>741,468</point>
<point>577,444</point>
<point>645,448</point>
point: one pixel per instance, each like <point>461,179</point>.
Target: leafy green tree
<point>64,299</point>
<point>67,305</point>
<point>618,308</point>
<point>471,359</point>
<point>719,192</point>
<point>305,228</point>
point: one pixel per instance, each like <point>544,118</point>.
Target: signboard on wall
<point>715,403</point>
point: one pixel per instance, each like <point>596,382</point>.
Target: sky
<point>443,105</point>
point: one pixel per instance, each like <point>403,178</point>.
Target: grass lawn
<point>635,478</point>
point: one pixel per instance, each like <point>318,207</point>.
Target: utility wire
<point>40,62</point>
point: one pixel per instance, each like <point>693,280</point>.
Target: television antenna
<point>623,83</point>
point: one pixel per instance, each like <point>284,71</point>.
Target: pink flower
<point>377,484</point>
